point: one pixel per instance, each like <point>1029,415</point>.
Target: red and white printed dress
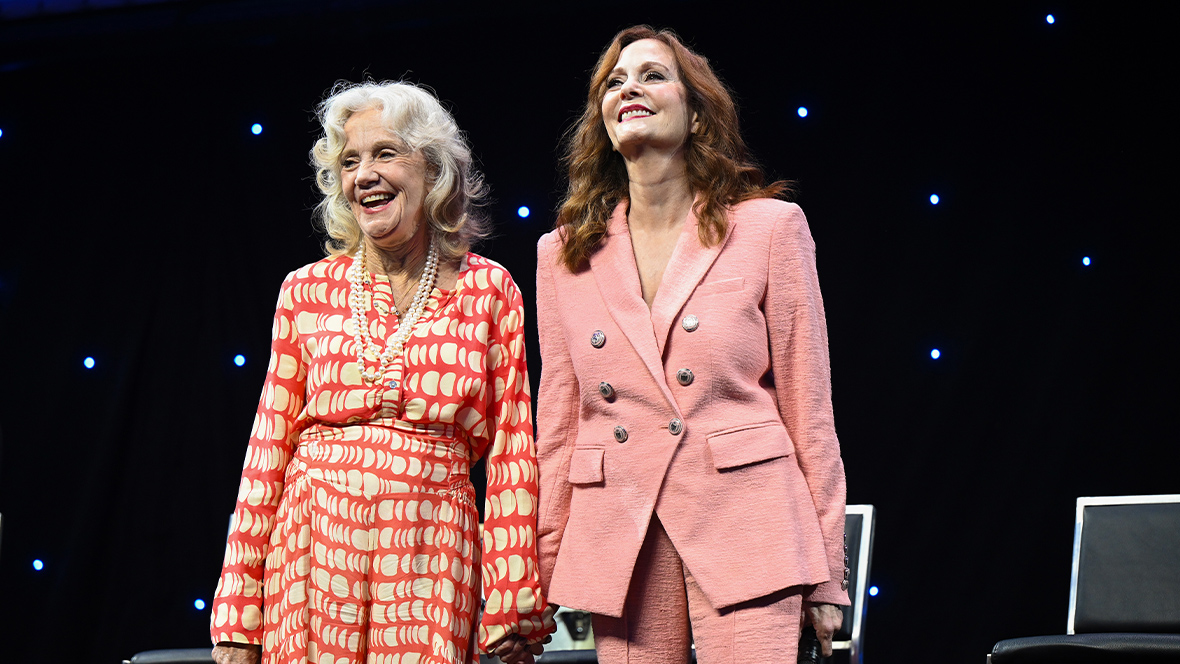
<point>355,533</point>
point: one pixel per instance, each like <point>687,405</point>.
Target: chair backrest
<point>859,526</point>
<point>1126,565</point>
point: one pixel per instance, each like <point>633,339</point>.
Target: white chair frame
<point>855,644</point>
<point>1080,521</point>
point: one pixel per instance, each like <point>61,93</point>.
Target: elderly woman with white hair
<point>397,362</point>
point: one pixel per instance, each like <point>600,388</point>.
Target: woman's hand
<point>826,619</point>
<point>514,649</point>
<point>228,652</point>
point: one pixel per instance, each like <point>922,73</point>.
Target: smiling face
<point>384,182</point>
<point>646,105</point>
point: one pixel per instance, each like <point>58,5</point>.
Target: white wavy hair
<point>416,117</point>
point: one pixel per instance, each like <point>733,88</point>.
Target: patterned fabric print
<point>358,496</point>
<point>353,571</point>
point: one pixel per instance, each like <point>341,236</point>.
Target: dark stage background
<point>147,227</point>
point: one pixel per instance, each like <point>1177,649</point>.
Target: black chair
<point>177,656</point>
<point>1124,593</point>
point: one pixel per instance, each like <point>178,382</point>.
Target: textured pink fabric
<point>752,492</point>
<point>654,628</point>
<point>666,613</point>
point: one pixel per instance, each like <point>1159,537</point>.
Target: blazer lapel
<point>686,268</point>
<point>617,277</point>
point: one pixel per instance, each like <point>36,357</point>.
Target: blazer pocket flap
<point>721,286</point>
<point>749,444</point>
<point>586,466</point>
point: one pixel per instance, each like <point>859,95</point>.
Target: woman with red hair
<point>691,486</point>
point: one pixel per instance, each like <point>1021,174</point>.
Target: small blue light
<point>1086,261</point>
<point>38,565</point>
<point>802,111</point>
<point>1,132</point>
<point>873,591</point>
<point>256,129</point>
<point>200,604</point>
<point>935,353</point>
<point>522,212</point>
<point>1050,19</point>
<point>88,363</point>
<point>239,360</point>
<point>934,199</point>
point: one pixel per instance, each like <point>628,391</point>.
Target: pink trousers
<point>666,613</point>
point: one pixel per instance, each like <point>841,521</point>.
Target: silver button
<point>620,434</point>
<point>684,377</point>
<point>675,427</point>
<point>606,390</point>
<point>598,339</point>
<point>844,584</point>
<point>393,384</point>
<point>691,323</point>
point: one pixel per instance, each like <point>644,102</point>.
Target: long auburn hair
<point>721,171</point>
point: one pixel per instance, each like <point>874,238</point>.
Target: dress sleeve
<point>511,582</point>
<point>237,603</point>
<point>799,351</point>
<point>557,419</point>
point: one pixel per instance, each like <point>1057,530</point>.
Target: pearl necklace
<point>359,277</point>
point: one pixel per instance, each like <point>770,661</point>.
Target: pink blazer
<point>712,409</point>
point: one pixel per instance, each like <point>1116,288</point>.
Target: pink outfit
<point>739,458</point>
<point>664,598</point>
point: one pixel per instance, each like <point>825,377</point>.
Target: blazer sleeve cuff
<point>828,592</point>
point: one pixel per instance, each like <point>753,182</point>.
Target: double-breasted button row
<point>683,376</point>
<point>598,340</point>
<point>675,427</point>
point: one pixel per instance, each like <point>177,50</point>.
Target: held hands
<point>826,619</point>
<point>514,649</point>
<point>228,652</point>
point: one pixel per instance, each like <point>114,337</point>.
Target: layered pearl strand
<point>359,278</point>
